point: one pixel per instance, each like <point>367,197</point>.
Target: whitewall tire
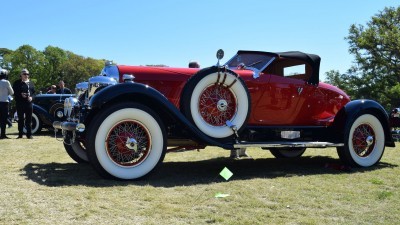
<point>128,141</point>
<point>212,97</point>
<point>364,141</point>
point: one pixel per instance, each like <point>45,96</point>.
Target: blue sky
<point>173,32</point>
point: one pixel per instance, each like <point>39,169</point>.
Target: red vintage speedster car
<point>130,116</point>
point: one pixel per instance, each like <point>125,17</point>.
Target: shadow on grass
<point>171,174</point>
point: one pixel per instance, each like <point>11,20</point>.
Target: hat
<point>3,72</point>
<point>24,71</point>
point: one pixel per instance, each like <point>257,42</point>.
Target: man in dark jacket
<point>23,92</point>
<point>63,89</point>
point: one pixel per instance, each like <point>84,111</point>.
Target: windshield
<point>252,60</point>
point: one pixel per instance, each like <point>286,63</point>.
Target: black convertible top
<point>312,59</point>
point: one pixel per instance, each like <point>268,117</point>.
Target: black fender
<point>146,95</point>
<point>43,115</point>
<point>354,108</point>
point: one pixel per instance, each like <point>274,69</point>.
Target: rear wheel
<point>364,141</point>
<point>126,141</point>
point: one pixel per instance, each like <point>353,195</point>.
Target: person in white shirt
<point>5,91</point>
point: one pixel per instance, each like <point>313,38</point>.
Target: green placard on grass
<point>226,173</point>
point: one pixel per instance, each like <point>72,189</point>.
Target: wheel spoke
<point>360,136</point>
<point>117,139</point>
<point>208,105</point>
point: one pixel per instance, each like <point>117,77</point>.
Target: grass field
<point>40,184</point>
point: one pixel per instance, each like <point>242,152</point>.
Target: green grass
<point>40,184</point>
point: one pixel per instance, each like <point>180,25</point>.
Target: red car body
<point>257,99</point>
<point>274,99</point>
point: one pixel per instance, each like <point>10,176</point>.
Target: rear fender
<point>354,108</point>
<point>43,115</point>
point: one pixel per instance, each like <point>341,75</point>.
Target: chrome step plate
<point>315,144</point>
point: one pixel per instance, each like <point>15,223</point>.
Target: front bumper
<point>69,126</point>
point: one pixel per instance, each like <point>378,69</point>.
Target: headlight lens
<point>98,82</point>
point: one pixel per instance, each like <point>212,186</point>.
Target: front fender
<point>354,108</point>
<point>136,92</point>
<point>43,115</point>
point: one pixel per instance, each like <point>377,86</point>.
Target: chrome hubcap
<point>222,105</point>
<point>131,144</point>
<point>369,140</point>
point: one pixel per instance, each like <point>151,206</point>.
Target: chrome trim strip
<point>288,144</point>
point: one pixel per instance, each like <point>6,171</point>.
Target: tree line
<point>49,66</point>
<point>376,70</point>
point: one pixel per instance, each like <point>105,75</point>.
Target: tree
<point>50,66</point>
<point>55,57</point>
<point>3,52</point>
<point>26,57</point>
<point>78,68</point>
<point>376,73</point>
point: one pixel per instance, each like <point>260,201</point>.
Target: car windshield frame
<point>254,61</point>
<point>312,59</point>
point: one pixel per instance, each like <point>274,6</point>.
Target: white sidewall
<point>156,148</point>
<point>379,147</point>
<point>34,129</point>
<point>242,106</point>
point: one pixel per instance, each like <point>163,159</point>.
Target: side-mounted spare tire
<point>214,96</point>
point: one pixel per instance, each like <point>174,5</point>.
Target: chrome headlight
<point>110,70</point>
<point>80,88</point>
<point>60,114</point>
<point>98,82</point>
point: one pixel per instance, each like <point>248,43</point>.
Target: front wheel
<point>126,141</point>
<point>77,151</point>
<point>364,141</point>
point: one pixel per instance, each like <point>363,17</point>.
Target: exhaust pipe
<point>69,126</point>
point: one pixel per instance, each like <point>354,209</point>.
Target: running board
<point>305,144</point>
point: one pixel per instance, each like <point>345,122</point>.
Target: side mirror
<point>220,55</point>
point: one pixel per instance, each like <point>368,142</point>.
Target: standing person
<point>5,91</point>
<point>63,89</point>
<point>24,89</point>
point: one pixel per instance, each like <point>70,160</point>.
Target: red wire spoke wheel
<point>214,96</point>
<point>217,104</point>
<point>128,143</point>
<point>364,141</point>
